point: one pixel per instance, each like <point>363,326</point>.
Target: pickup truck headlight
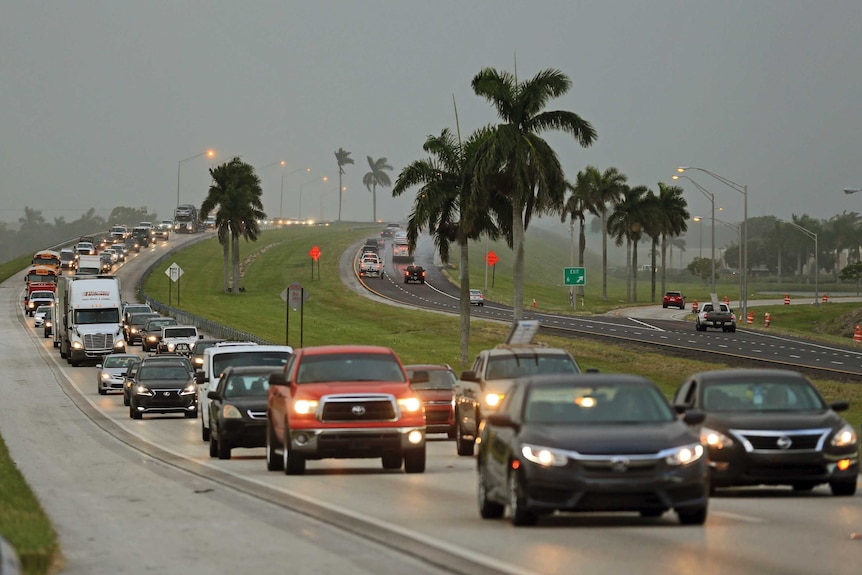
<point>844,437</point>
<point>410,404</point>
<point>494,399</point>
<point>304,406</point>
<point>171,347</point>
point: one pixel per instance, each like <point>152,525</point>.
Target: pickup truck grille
<point>98,341</point>
<point>358,408</point>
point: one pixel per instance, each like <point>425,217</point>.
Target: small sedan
<point>111,371</point>
<point>163,387</point>
<point>771,427</point>
<point>477,297</point>
<point>590,442</point>
<point>39,315</point>
<point>435,385</point>
<point>238,410</point>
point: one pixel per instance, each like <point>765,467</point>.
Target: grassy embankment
<point>22,520</point>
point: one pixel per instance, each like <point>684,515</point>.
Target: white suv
<point>178,339</point>
<point>232,353</point>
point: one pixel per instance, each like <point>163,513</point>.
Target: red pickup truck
<point>344,401</point>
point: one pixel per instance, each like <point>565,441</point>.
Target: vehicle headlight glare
<point>410,404</point>
<point>685,454</point>
<point>106,376</point>
<point>714,439</point>
<point>120,343</point>
<point>231,412</point>
<point>844,437</point>
<point>304,406</point>
<point>189,389</point>
<point>77,345</point>
<point>144,390</point>
<point>543,456</point>
<point>171,347</point>
<point>493,399</point>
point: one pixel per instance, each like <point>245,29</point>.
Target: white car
<point>39,315</point>
<point>477,297</point>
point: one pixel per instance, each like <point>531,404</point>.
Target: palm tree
<point>672,210</point>
<point>580,202</point>
<point>342,157</point>
<point>448,206</point>
<point>236,192</point>
<point>626,224</point>
<point>376,177</point>
<point>516,162</point>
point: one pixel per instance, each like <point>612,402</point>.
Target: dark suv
<point>673,299</point>
<point>414,274</point>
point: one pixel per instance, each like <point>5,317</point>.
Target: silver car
<point>112,369</point>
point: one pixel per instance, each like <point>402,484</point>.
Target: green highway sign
<point>574,276</point>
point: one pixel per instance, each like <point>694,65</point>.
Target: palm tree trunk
<point>235,257</point>
<point>635,271</point>
<point>582,247</point>
<point>374,202</point>
<point>653,251</point>
<point>226,247</point>
<point>604,257</point>
<point>464,274</point>
<point>628,270</point>
<point>663,259</point>
<point>518,267</point>
<point>340,188</point>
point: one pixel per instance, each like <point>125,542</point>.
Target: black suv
<point>414,274</point>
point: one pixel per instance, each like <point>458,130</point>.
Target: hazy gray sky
<point>100,100</point>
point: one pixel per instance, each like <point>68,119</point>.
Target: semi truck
<point>88,325</point>
<point>186,219</point>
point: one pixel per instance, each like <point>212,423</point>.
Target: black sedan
<point>771,427</point>
<point>590,442</point>
<point>238,410</point>
<point>163,387</point>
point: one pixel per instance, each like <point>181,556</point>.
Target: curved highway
<point>139,496</point>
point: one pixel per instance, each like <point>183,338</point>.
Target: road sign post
<point>574,277</point>
<point>174,273</point>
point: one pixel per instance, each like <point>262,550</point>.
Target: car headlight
<point>120,343</point>
<point>171,347</point>
<point>844,437</point>
<point>231,412</point>
<point>134,330</point>
<point>714,439</point>
<point>198,361</point>
<point>494,399</point>
<point>77,345</point>
<point>410,404</point>
<point>684,454</point>
<point>48,324</point>
<point>304,406</point>
<point>141,389</point>
<point>152,338</point>
<point>544,456</point>
<point>189,389</point>
<point>105,375</point>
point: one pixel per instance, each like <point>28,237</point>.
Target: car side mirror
<point>200,336</point>
<point>502,420</point>
<point>839,406</point>
<point>694,417</point>
<point>212,395</point>
<point>277,378</point>
<point>469,376</point>
<point>199,377</point>
<point>98,366</point>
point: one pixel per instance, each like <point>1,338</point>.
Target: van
<point>231,353</point>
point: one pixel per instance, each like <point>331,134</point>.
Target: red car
<point>435,385</point>
<point>673,299</point>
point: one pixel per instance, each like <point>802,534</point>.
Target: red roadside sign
<point>314,253</point>
<point>491,258</point>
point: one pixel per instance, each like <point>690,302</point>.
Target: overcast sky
<point>100,100</point>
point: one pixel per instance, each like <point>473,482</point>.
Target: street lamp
<point>324,194</point>
<point>711,197</point>
<point>281,201</point>
<point>744,191</point>
<point>813,236</point>
<point>699,219</point>
<point>323,179</point>
<point>208,154</point>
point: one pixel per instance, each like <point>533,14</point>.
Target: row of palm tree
<point>377,176</point>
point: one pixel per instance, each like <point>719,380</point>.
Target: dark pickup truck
<point>723,317</point>
<point>414,274</point>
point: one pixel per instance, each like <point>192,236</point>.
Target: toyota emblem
<point>358,410</point>
<point>620,464</point>
<point>783,442</point>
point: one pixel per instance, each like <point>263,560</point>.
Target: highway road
<point>142,496</point>
<point>650,325</point>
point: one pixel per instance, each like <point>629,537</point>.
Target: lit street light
<point>711,197</point>
<point>744,191</point>
<point>325,194</point>
<point>323,179</point>
<point>208,154</point>
<point>281,201</point>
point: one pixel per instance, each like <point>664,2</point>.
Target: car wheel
<point>392,461</point>
<point>205,431</point>
<point>452,433</point>
<point>274,461</point>
<point>463,445</point>
<point>125,399</point>
<point>135,413</point>
<point>482,304</point>
<point>733,329</point>
<point>682,306</point>
<point>843,488</point>
<point>695,516</point>
<point>223,449</point>
<point>414,460</point>
<point>73,359</point>
<point>294,464</point>
<point>102,390</point>
<point>487,509</point>
<point>520,513</point>
<point>193,414</point>
<point>213,446</point>
<point>664,306</point>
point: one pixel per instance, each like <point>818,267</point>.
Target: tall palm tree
<point>515,162</point>
<point>342,157</point>
<point>236,193</point>
<point>625,224</point>
<point>376,177</point>
<point>580,202</point>
<point>672,211</point>
<point>605,189</point>
<point>449,207</point>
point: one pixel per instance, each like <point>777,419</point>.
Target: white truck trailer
<point>88,324</point>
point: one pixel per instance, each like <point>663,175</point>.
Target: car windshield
<point>346,367</point>
<point>43,309</point>
<point>437,379</point>
<point>120,361</point>
<point>611,403</point>
<point>181,332</point>
<point>512,366</point>
<point>94,316</point>
<point>255,385</point>
<point>275,358</point>
<point>157,325</point>
<point>172,371</point>
<point>762,396</point>
<point>42,295</point>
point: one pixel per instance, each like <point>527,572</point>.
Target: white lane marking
<point>737,516</point>
<point>643,323</point>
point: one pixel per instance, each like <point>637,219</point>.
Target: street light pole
<point>323,179</point>
<point>742,189</point>
<point>711,197</point>
<point>208,153</point>
<point>281,201</point>
<point>813,236</point>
